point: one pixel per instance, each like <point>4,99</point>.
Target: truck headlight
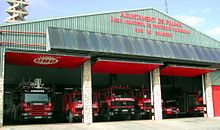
<point>24,114</point>
<point>116,109</point>
<point>49,113</point>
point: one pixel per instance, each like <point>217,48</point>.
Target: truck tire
<point>106,115</point>
<point>148,115</point>
<point>137,115</point>
<point>69,117</point>
<point>165,116</point>
<point>128,117</point>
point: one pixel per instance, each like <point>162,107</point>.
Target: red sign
<point>45,60</point>
<point>120,67</point>
<point>150,25</point>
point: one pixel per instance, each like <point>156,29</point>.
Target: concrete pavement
<point>199,123</point>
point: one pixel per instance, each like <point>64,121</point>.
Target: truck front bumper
<point>28,116</point>
<point>121,111</point>
<point>145,111</point>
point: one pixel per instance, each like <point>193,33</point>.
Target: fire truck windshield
<point>146,94</point>
<point>78,97</point>
<point>36,97</point>
<point>122,93</point>
<point>170,104</point>
<point>94,97</point>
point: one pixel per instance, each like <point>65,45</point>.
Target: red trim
<point>121,67</point>
<point>184,71</point>
<point>45,60</point>
<point>6,31</point>
<point>216,100</point>
<point>23,44</point>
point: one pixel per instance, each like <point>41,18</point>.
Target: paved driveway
<point>199,123</point>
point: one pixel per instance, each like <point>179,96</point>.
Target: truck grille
<point>79,109</point>
<point>147,104</point>
<point>94,109</point>
<point>122,103</point>
<point>37,107</point>
<point>38,114</point>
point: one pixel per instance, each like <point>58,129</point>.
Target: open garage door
<point>123,67</point>
<point>52,72</point>
<point>184,71</point>
<point>185,85</point>
<point>45,60</point>
<point>128,88</point>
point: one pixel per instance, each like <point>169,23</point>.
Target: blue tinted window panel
<point>213,53</point>
<point>161,49</point>
<point>217,53</point>
<point>56,38</point>
<point>69,40</point>
<point>119,46</point>
<point>95,42</point>
<point>128,46</point>
<point>186,52</point>
<point>191,52</point>
<point>207,54</point>
<point>199,52</point>
<point>149,48</point>
<point>168,51</point>
<point>106,42</point>
<point>177,53</point>
<point>139,49</point>
<point>82,41</point>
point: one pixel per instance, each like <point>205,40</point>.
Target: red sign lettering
<point>152,25</point>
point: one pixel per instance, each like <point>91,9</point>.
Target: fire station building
<point>132,47</point>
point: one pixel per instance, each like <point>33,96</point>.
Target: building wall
<point>112,23</point>
<point>215,76</point>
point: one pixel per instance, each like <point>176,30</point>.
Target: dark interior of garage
<point>181,89</point>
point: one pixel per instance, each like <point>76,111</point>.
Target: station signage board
<point>150,25</point>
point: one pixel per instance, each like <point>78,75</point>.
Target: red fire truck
<point>72,105</point>
<point>170,109</point>
<point>198,107</point>
<point>32,100</point>
<point>116,101</point>
<point>95,103</point>
<point>143,103</point>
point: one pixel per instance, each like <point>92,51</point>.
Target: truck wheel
<point>69,117</point>
<point>148,115</point>
<point>164,116</point>
<point>128,117</point>
<point>106,115</point>
<point>137,115</point>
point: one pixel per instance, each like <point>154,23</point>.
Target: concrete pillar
<point>208,95</point>
<point>87,92</point>
<point>2,68</point>
<point>156,91</point>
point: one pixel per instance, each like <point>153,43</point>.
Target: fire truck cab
<point>116,101</point>
<point>32,100</point>
<point>198,107</point>
<point>72,105</point>
<point>143,103</point>
<point>170,109</point>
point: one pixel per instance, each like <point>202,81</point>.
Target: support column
<point>156,94</point>
<point>208,95</point>
<point>87,92</point>
<point>2,68</point>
